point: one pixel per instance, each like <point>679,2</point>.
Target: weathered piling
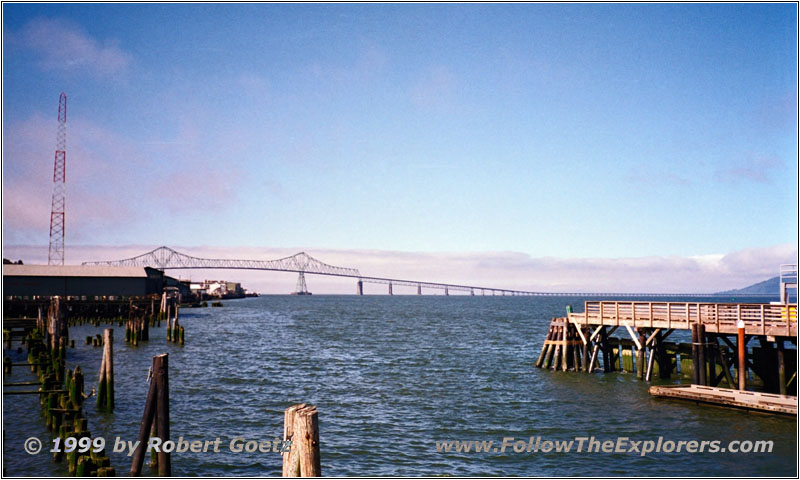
<point>105,385</point>
<point>156,407</point>
<point>781,367</point>
<point>301,434</point>
<point>742,354</point>
<point>701,355</point>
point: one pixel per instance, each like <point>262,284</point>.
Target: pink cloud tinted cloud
<point>99,193</point>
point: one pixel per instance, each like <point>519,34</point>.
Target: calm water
<point>390,376</point>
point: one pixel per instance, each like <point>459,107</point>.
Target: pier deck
<point>758,318</point>
<point>765,402</point>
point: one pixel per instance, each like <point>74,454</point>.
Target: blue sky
<point>570,131</point>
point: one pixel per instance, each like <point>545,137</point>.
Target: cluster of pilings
<point>711,359</point>
<point>61,394</point>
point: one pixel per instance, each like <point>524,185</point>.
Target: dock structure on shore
<point>718,352</point>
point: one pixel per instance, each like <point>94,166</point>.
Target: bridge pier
<point>446,292</point>
<point>390,289</point>
<point>419,289</point>
<point>472,292</point>
<point>360,288</point>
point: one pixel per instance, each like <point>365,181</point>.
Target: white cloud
<point>61,45</point>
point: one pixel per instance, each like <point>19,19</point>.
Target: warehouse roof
<point>72,271</point>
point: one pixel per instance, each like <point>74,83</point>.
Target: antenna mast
<point>56,254</point>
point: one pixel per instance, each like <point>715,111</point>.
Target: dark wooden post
<point>640,356</point>
<point>540,361</point>
<point>557,351</point>
<point>742,356</point>
<point>695,355</point>
<point>701,352</point>
<point>781,366</point>
<point>585,349</point>
<point>564,344</point>
<point>156,407</point>
<point>105,385</point>
<point>144,428</point>
<point>161,376</point>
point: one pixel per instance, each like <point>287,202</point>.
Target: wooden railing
<point>758,318</point>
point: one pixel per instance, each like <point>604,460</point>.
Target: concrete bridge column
<point>419,289</point>
<point>390,289</point>
<point>472,291</point>
<point>446,291</point>
<point>360,288</point>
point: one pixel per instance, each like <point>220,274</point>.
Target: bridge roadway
<point>166,258</point>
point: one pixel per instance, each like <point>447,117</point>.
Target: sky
<point>639,147</point>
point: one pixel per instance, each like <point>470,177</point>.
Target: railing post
<point>669,315</point>
<point>763,325</point>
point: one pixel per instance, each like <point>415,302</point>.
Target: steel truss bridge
<point>164,258</point>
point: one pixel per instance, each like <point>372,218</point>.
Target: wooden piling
<point>641,356</point>
<point>557,348</point>
<point>701,352</point>
<point>585,352</point>
<point>105,385</point>
<point>695,355</point>
<point>156,406</point>
<point>781,366</point>
<point>540,360</point>
<point>291,462</point>
<point>308,442</point>
<point>161,376</point>
<point>301,428</point>
<point>742,354</point>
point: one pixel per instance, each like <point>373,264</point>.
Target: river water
<point>390,377</point>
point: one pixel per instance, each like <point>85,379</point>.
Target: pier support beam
<point>390,289</point>
<point>360,288</point>
<point>701,351</point>
<point>781,367</point>
<point>640,356</point>
<point>695,355</point>
<point>419,289</point>
<point>446,291</point>
<point>742,354</point>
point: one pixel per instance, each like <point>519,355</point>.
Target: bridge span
<point>164,258</point>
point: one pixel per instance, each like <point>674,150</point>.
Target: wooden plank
<point>765,402</point>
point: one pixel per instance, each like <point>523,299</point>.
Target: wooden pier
<point>717,354</point>
<point>758,318</point>
<point>756,401</point>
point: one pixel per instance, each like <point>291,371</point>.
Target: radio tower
<point>56,253</point>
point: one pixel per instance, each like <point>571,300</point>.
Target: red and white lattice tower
<point>56,253</point>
